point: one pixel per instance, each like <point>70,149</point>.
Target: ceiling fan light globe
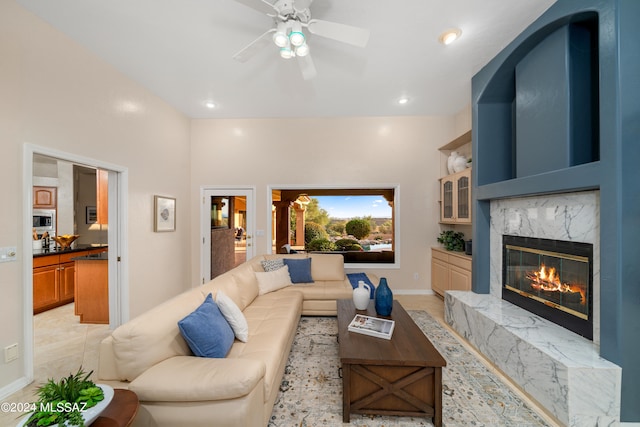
<point>302,50</point>
<point>280,39</point>
<point>297,38</point>
<point>286,53</point>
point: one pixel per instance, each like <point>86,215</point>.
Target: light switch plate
<point>10,353</point>
<point>8,253</point>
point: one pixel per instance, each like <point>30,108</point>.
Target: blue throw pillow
<point>299,270</point>
<point>207,331</point>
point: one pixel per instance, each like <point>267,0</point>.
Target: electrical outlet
<point>10,353</point>
<point>415,276</point>
<point>8,254</point>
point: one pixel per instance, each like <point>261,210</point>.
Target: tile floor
<point>63,345</point>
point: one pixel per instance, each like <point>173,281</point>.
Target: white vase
<point>459,164</point>
<point>361,296</point>
<point>452,157</point>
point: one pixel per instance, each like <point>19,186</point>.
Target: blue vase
<point>383,298</point>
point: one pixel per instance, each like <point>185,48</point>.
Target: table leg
<point>346,392</point>
<point>437,404</point>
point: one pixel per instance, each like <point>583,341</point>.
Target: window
<point>358,223</point>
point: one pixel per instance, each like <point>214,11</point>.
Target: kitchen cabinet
<point>102,196</point>
<point>53,282</point>
<point>45,197</point>
<point>46,293</point>
<point>455,198</point>
<point>54,278</point>
<point>92,288</point>
<point>450,271</point>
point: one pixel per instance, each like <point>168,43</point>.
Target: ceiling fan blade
<point>307,67</point>
<point>343,33</point>
<point>260,5</point>
<point>254,47</point>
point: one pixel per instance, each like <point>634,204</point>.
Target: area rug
<point>311,389</point>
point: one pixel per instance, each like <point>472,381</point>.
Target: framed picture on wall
<point>165,214</point>
<point>92,215</point>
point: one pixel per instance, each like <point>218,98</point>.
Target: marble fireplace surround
<point>560,369</point>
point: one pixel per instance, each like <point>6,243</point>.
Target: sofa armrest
<point>196,379</point>
<point>107,367</point>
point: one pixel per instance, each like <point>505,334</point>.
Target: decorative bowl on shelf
<point>65,240</point>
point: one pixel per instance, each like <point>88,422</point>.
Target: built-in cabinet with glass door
<point>452,270</point>
<point>455,193</point>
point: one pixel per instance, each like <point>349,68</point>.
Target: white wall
<point>55,94</point>
<point>366,151</point>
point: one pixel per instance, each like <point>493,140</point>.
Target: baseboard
<point>13,387</point>
<point>413,292</point>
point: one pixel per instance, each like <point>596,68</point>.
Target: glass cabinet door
<point>463,198</point>
<point>446,213</point>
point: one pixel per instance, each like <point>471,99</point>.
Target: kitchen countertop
<point>58,251</point>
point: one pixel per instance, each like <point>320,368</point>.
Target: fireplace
<point>550,278</point>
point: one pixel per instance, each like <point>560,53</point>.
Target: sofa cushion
<point>196,379</point>
<point>323,290</point>
<point>234,316</point>
<point>272,264</point>
<point>207,331</point>
<point>327,267</point>
<point>299,270</point>
<point>273,319</point>
<point>270,281</point>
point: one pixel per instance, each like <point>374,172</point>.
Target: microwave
<point>44,220</point>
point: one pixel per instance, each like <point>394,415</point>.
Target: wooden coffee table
<point>400,376</point>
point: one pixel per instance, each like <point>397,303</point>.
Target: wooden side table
<point>121,410</point>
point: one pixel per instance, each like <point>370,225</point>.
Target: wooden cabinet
<point>102,196</point>
<point>450,271</point>
<point>46,293</point>
<point>92,290</point>
<point>45,197</point>
<point>455,189</point>
<point>53,281</point>
<point>455,198</point>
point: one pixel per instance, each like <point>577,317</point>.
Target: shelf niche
<point>543,104</point>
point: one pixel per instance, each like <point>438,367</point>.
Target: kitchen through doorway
<point>89,204</point>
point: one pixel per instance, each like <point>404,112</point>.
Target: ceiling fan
<point>290,17</point>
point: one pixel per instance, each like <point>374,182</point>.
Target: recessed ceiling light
<point>210,104</point>
<point>403,100</point>
<point>450,36</point>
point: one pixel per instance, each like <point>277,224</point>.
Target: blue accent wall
<point>600,146</point>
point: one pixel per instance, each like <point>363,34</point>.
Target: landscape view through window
<point>358,226</point>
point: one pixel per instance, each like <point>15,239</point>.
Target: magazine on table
<point>374,326</point>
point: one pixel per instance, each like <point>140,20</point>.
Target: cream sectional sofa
<point>149,356</point>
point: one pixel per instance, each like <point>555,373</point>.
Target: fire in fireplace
<point>551,278</point>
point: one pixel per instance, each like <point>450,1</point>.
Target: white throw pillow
<point>270,281</point>
<point>234,316</point>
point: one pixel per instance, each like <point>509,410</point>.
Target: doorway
<point>114,235</point>
<point>227,228</point>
